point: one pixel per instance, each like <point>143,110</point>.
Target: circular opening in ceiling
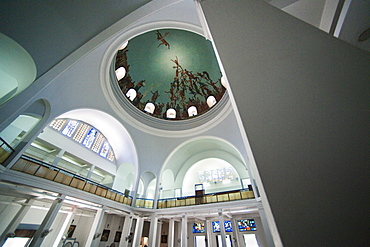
<point>169,69</point>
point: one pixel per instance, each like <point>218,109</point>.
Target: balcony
<point>206,199</point>
<point>43,170</point>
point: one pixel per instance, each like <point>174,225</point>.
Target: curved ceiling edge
<point>128,113</point>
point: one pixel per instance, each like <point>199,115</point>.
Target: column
<point>209,232</point>
<point>222,228</point>
<point>16,220</point>
<point>44,228</point>
<point>126,231</point>
<point>171,232</point>
<point>88,176</point>
<point>184,231</point>
<point>94,235</point>
<point>138,232</point>
<point>269,238</point>
<point>153,230</point>
<point>63,230</point>
<point>58,157</point>
<point>159,232</point>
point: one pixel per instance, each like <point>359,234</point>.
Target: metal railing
<point>43,170</point>
<point>205,199</point>
<point>5,150</point>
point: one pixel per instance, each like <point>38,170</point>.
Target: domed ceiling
<point>170,74</point>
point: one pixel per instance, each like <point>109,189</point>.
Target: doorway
<point>200,241</point>
<point>229,242</point>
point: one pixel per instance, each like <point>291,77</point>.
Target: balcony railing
<point>43,170</point>
<point>205,199</point>
<point>5,150</point>
<point>144,203</point>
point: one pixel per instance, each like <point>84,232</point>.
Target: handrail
<point>69,178</point>
<point>144,202</point>
<point>6,144</point>
<point>5,150</point>
<point>68,173</point>
<point>206,198</point>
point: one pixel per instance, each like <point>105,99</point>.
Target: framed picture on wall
<point>117,237</point>
<point>71,230</point>
<point>105,235</point>
<point>164,239</point>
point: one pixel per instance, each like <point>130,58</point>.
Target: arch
<point>197,149</point>
<point>13,59</point>
<point>150,191</point>
<point>30,119</point>
<point>112,129</point>
<point>214,173</point>
<point>167,185</point>
<point>125,177</point>
<point>149,180</point>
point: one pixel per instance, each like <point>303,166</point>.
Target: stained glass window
<point>70,128</point>
<point>90,137</point>
<point>84,133</point>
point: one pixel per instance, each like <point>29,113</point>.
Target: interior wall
<point>303,99</point>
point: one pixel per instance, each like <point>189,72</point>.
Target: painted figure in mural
<point>155,95</point>
<point>162,40</point>
<point>139,85</point>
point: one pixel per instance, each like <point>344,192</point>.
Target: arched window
<point>131,94</point>
<point>123,46</point>
<point>171,113</point>
<point>120,73</point>
<point>149,107</point>
<point>223,82</point>
<point>84,134</point>
<point>211,101</point>
<point>192,111</point>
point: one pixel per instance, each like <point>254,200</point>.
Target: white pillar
<point>58,157</point>
<point>88,176</point>
<point>138,231</point>
<point>209,233</point>
<point>92,239</point>
<point>44,228</point>
<point>65,226</point>
<point>269,238</point>
<point>159,232</point>
<point>171,233</point>
<point>222,228</point>
<point>184,231</point>
<point>126,230</point>
<point>153,230</point>
<point>16,220</point>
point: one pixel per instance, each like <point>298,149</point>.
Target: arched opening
<point>215,174</point>
<point>167,185</point>
<point>125,178</point>
<point>17,68</point>
<point>218,156</point>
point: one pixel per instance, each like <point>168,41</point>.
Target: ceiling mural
<point>169,74</point>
